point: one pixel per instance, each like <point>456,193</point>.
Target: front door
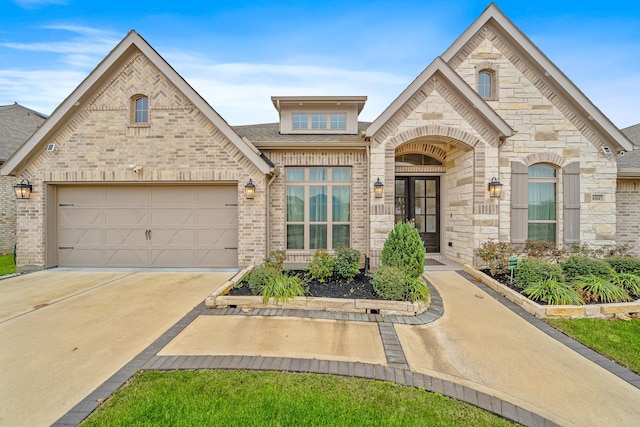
<point>417,199</point>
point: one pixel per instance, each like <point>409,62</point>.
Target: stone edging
<point>220,299</point>
<point>554,311</point>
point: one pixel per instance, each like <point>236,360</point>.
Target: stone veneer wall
<point>628,219</point>
<point>277,196</point>
<point>7,214</point>
<point>548,130</point>
<point>179,145</point>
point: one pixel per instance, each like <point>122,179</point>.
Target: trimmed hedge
<point>576,266</point>
<point>624,264</point>
<point>404,249</point>
<point>532,270</point>
<point>390,283</point>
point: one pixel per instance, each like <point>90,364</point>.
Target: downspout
<point>267,199</point>
<point>367,256</point>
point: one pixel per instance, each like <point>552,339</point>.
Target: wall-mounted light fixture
<point>378,189</point>
<point>23,190</point>
<point>495,188</point>
<point>250,189</point>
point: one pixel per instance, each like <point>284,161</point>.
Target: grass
<point>249,398</point>
<point>618,340</point>
<point>7,266</point>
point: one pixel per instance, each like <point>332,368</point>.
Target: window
<point>300,121</point>
<point>542,203</point>
<point>485,84</point>
<point>319,121</point>
<point>318,207</point>
<point>415,159</point>
<point>141,109</point>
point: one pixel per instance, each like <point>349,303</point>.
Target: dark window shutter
<point>519,202</point>
<point>571,197</point>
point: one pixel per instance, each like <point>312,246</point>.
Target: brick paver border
<point>396,371</point>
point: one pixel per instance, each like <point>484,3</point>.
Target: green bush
<point>259,277</point>
<point>495,256</point>
<point>576,266</point>
<point>553,292</point>
<point>598,289</point>
<point>390,283</point>
<point>628,281</point>
<point>532,270</point>
<point>282,288</point>
<point>347,263</point>
<point>418,289</point>
<point>404,249</point>
<point>321,266</point>
<point>624,264</point>
<point>276,260</point>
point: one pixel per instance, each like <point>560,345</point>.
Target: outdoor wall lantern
<point>495,188</point>
<point>23,190</point>
<point>378,187</point>
<point>250,189</point>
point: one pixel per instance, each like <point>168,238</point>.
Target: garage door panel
<point>139,226</point>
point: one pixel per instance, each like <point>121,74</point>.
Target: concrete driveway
<point>63,333</point>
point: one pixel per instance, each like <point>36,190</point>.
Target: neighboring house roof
<point>98,76</point>
<point>629,164</point>
<point>547,72</point>
<point>472,98</point>
<point>17,124</point>
<point>269,133</point>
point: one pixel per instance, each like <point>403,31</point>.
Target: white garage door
<point>147,226</point>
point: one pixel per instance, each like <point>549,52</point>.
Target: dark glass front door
<point>418,200</point>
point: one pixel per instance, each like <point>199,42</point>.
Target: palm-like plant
<point>553,292</point>
<point>598,289</point>
<point>627,281</point>
<point>282,288</point>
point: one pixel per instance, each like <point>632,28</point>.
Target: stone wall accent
<point>7,214</point>
<point>360,191</point>
<point>178,145</point>
<point>628,213</point>
<point>547,129</point>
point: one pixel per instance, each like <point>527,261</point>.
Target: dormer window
<point>140,109</point>
<point>300,121</point>
<point>319,121</point>
<point>319,115</point>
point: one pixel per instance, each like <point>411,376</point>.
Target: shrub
<point>532,270</point>
<point>276,259</point>
<point>553,292</point>
<point>417,290</point>
<point>321,266</point>
<point>598,289</point>
<point>404,249</point>
<point>576,266</point>
<point>259,277</point>
<point>390,283</point>
<point>543,250</point>
<point>282,288</point>
<point>347,263</point>
<point>624,264</point>
<point>628,281</point>
<point>495,256</point>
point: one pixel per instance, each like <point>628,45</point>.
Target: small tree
<point>404,249</point>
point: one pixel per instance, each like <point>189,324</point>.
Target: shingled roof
<point>17,124</point>
<point>270,133</point>
<point>631,159</point>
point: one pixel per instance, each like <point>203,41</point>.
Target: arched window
<point>542,202</point>
<point>414,159</point>
<point>140,109</point>
<point>485,84</point>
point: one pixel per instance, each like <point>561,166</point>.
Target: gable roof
<point>629,164</point>
<point>552,74</point>
<point>98,76</point>
<point>17,124</point>
<point>440,67</point>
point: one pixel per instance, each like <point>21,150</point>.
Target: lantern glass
<point>378,188</point>
<point>495,188</point>
<point>250,190</point>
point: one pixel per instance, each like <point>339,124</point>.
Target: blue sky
<point>237,53</point>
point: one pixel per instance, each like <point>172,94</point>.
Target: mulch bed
<point>360,288</point>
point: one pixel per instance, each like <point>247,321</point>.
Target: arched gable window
<point>486,84</point>
<point>140,109</point>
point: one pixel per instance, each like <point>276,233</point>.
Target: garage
<point>147,226</point>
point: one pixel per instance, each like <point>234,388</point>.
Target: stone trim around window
<point>490,69</point>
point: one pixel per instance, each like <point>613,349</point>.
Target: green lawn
<point>618,340</point>
<point>6,265</point>
<point>250,398</point>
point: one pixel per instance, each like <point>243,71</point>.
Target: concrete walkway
<point>64,333</point>
<point>478,351</point>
